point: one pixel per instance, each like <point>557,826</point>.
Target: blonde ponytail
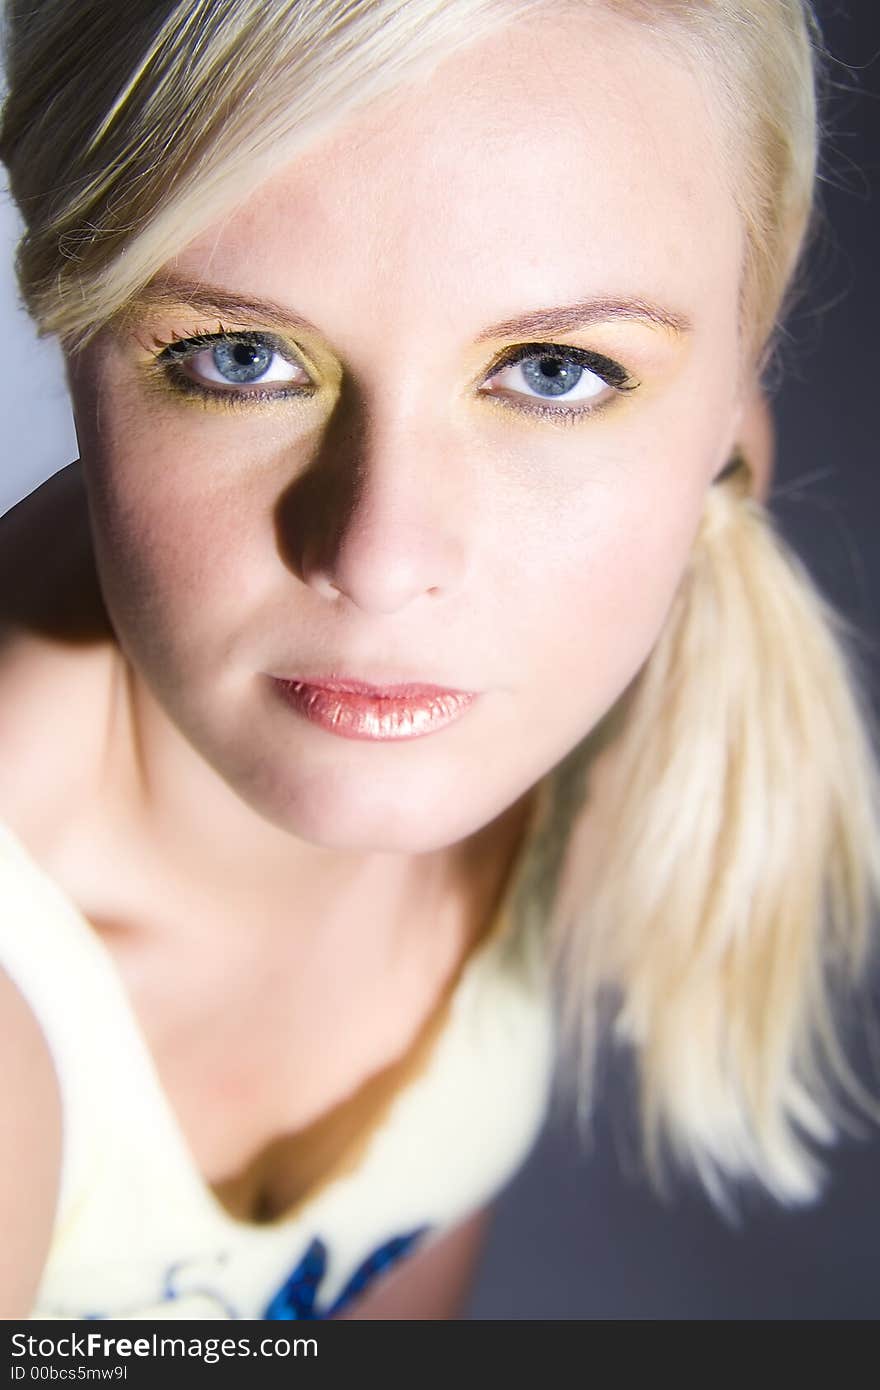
<point>721,878</point>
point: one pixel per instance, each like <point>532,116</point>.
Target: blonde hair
<point>719,881</point>
<point>122,132</point>
<point>715,838</point>
<point>173,111</point>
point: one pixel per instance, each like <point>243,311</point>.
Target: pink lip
<point>356,709</point>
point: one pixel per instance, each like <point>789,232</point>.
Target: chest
<point>277,1074</point>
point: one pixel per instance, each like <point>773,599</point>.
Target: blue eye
<point>233,367</point>
<point>232,360</point>
<point>243,363</point>
<point>554,372</point>
<point>551,374</point>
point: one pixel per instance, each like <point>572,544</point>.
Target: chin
<point>363,814</point>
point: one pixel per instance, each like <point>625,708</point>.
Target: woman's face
<point>367,487</point>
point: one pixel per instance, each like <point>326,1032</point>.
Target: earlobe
<point>754,432</point>
<point>739,464</point>
<point>757,441</point>
<point>736,461</point>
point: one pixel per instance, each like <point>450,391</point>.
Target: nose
<point>381,517</point>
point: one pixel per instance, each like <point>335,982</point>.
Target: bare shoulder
<point>54,639</point>
<point>434,1283</point>
<point>38,538</point>
<point>30,1141</point>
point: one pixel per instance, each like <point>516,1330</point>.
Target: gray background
<point>574,1237</point>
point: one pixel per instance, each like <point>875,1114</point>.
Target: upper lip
<point>354,685</point>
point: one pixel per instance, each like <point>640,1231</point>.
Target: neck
<point>162,796</point>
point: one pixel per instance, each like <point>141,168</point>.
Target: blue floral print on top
<point>296,1299</point>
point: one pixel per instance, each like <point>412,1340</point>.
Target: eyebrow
<point>565,318</point>
<point>170,291</point>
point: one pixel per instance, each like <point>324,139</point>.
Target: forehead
<point>561,153</point>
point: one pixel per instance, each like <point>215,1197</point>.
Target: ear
<point>756,437</point>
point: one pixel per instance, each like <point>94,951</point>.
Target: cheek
<point>174,546</point>
<point>603,579</point>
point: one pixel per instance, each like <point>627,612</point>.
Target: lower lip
<point>350,714</point>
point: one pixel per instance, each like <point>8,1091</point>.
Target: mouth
<point>359,710</point>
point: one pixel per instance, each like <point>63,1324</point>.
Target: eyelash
<point>612,373</point>
<point>168,356</point>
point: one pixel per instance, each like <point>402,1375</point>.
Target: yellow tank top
<point>139,1233</point>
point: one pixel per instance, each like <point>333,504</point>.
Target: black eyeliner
<point>187,347</point>
<point>172,355</point>
<point>611,372</point>
<point>168,362</point>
